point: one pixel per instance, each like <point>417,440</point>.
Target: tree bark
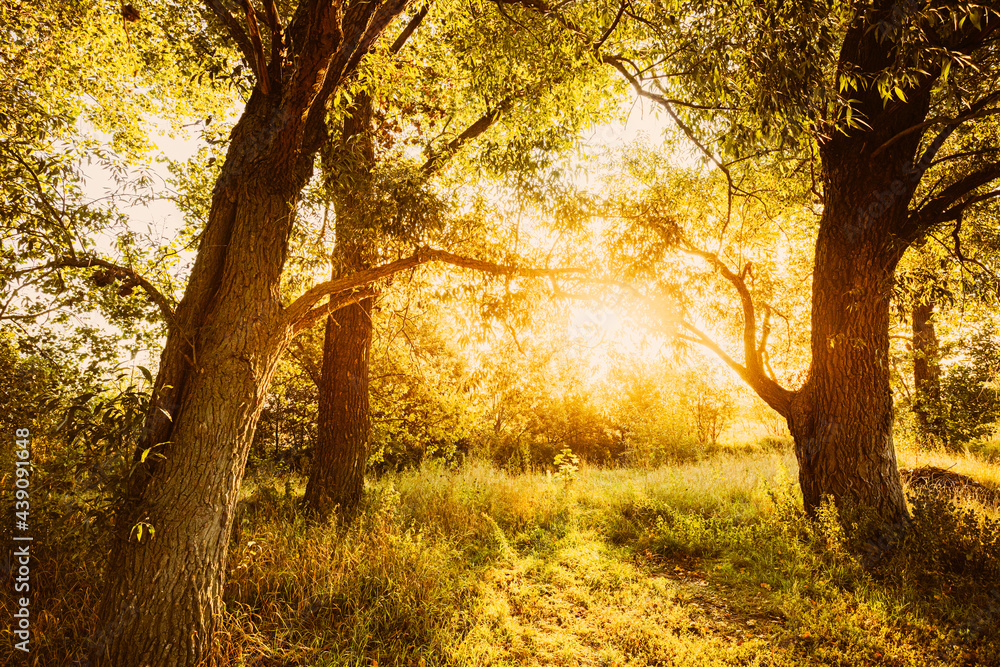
<point>926,373</point>
<point>163,591</point>
<point>162,598</point>
<point>337,476</point>
<point>336,479</point>
<point>842,417</point>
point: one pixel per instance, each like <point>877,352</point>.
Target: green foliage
<point>970,396</point>
<point>421,409</point>
<point>100,435</point>
<point>566,464</point>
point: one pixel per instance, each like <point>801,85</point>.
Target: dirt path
<point>588,603</point>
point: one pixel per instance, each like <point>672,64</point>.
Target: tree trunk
<point>926,373</point>
<point>164,581</point>
<point>340,457</point>
<point>842,417</point>
<point>162,598</point>
<point>341,452</point>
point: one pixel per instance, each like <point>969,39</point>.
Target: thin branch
<point>303,307</point>
<point>668,107</point>
<point>258,47</point>
<point>162,301</point>
<point>235,31</point>
<point>613,26</point>
<point>956,211</point>
<point>336,302</point>
<point>936,209</point>
<point>977,110</point>
<point>410,28</point>
<point>305,363</point>
<point>470,133</point>
<point>963,260</point>
<point>480,126</point>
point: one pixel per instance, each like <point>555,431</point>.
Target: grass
<point>706,563</point>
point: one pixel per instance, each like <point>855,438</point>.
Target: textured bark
<point>336,479</point>
<point>162,597</point>
<point>163,592</point>
<point>337,476</point>
<point>926,373</point>
<point>842,417</point>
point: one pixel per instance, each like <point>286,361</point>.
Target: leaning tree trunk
<point>926,373</point>
<point>162,599</point>
<point>164,582</point>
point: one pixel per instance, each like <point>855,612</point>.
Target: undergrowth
<point>712,562</point>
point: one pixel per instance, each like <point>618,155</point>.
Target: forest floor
<point>703,563</point>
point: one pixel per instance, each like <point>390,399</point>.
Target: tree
<point>952,269</point>
<point>164,578</point>
<point>891,99</point>
<point>884,187</point>
<point>225,337</point>
<point>377,212</point>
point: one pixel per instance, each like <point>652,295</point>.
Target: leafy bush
<point>970,398</point>
<point>943,548</point>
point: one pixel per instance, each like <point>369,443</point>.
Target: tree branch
<point>336,302</point>
<point>668,107</point>
<point>481,125</point>
<point>408,31</point>
<point>164,303</point>
<point>235,31</point>
<point>363,23</point>
<point>258,48</point>
<point>753,373</point>
<point>977,110</point>
<point>936,210</point>
<point>303,307</point>
<point>273,22</point>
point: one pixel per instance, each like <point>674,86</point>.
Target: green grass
<point>707,563</point>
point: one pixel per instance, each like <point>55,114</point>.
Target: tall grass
<point>709,562</point>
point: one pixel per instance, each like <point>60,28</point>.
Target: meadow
<point>709,562</point>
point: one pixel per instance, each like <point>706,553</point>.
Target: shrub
<point>969,396</point>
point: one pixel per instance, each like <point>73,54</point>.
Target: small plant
<point>567,464</point>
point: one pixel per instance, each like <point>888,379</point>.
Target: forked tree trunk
<point>162,599</point>
<point>926,373</point>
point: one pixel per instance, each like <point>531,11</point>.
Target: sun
<point>592,326</point>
